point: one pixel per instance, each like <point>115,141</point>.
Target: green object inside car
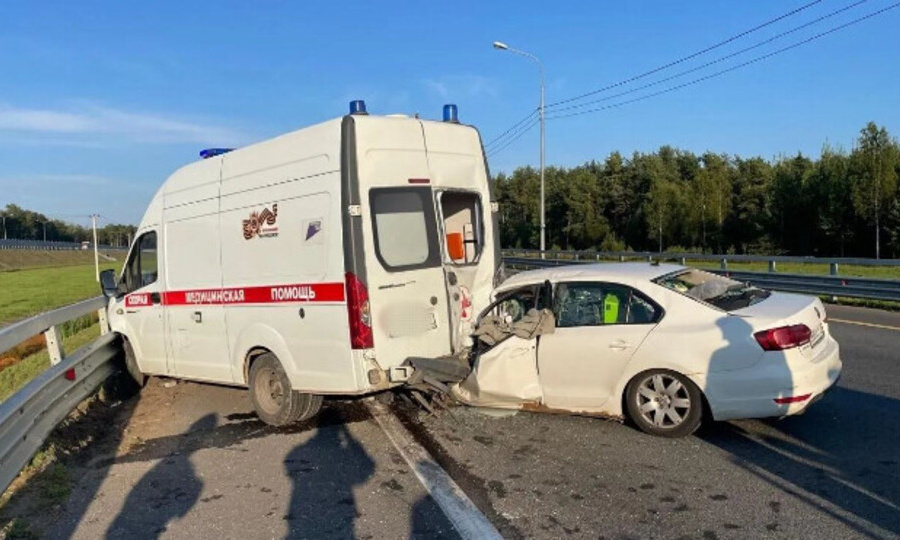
<point>610,309</point>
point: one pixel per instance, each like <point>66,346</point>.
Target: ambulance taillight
<point>359,314</point>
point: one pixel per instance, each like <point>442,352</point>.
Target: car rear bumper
<point>752,393</point>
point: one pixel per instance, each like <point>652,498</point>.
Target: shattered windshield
<point>724,293</point>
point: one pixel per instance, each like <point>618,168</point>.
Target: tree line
<point>841,204</point>
<point>19,223</point>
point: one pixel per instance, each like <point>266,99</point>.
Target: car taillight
<point>358,313</point>
<point>785,337</point>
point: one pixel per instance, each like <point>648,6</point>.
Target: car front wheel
<point>664,403</point>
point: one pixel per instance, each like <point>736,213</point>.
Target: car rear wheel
<point>275,401</point>
<point>664,403</point>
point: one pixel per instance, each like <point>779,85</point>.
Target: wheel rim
<point>663,401</point>
<point>269,391</point>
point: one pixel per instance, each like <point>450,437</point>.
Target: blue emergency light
<point>213,152</point>
<point>358,106</point>
<point>451,113</point>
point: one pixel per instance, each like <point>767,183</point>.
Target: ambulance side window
<point>461,212</point>
<point>142,269</point>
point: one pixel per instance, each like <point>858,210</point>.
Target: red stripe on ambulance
<point>268,294</point>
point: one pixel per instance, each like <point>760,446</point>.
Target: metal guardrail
<point>868,288</point>
<point>833,263</point>
<point>51,245</point>
<point>29,415</point>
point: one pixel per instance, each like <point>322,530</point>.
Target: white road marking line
<point>459,509</point>
<point>860,323</point>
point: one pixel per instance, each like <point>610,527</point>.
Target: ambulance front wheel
<point>131,364</point>
<point>275,402</point>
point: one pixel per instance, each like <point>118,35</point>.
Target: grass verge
<point>13,378</point>
<point>24,293</point>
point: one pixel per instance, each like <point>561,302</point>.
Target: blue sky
<point>100,101</point>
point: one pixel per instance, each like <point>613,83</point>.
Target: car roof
<point>612,271</point>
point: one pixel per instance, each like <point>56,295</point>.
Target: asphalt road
<point>191,460</point>
<point>833,472</point>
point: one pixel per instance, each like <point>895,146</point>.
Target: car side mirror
<point>108,283</point>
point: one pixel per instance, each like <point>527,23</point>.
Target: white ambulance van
<point>315,263</point>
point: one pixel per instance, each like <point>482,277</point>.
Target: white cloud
<point>456,86</point>
<point>101,122</point>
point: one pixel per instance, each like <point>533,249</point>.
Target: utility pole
<point>96,252</point>
<point>44,223</point>
<point>4,226</point>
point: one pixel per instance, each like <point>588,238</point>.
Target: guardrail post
<point>104,324</point>
<point>54,345</point>
<point>598,257</point>
<point>683,261</point>
<point>772,267</point>
<point>621,258</point>
<point>724,264</point>
<point>833,269</point>
<point>576,256</point>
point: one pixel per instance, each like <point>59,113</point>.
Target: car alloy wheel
<point>664,403</point>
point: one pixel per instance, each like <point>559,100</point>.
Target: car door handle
<point>155,298</point>
<point>619,345</point>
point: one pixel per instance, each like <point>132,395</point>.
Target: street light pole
<point>96,255</point>
<point>504,47</point>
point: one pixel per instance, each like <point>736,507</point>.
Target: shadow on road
<point>843,450</point>
<point>167,492</point>
<point>324,472</point>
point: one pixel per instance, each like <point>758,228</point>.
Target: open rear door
<point>407,285</point>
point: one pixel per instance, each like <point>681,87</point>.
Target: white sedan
<point>663,344</point>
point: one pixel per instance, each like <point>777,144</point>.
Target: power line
<point>496,139</point>
<point>733,68</point>
<point>690,56</point>
<point>514,136</point>
<point>716,61</point>
<point>509,142</point>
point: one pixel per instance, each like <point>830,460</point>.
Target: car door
<point>144,312</point>
<point>505,371</point>
<point>599,326</point>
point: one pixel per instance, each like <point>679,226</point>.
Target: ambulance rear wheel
<point>275,402</point>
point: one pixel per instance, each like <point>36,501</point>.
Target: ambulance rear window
<point>404,228</point>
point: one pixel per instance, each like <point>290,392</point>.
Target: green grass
<point>21,259</point>
<point>28,292</point>
<point>13,378</point>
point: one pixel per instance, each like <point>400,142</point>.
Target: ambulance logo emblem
<point>262,224</point>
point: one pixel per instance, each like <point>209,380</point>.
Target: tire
<point>275,402</point>
<point>664,403</point>
<point>131,365</point>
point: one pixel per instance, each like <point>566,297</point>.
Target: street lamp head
<point>500,45</point>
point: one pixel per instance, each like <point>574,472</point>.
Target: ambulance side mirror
<point>108,283</point>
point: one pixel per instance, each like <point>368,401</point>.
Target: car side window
<point>599,304</point>
<point>515,305</point>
